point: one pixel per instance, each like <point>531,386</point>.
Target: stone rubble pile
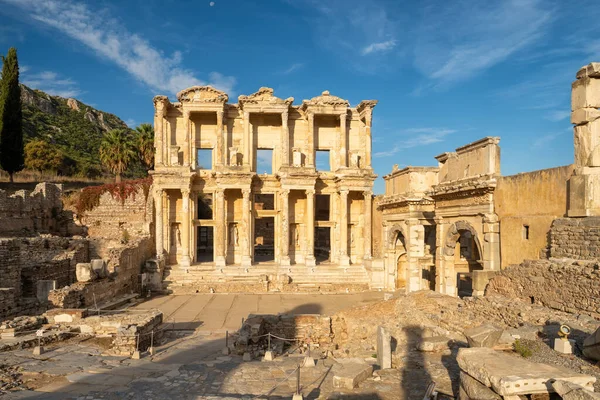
<point>18,325</point>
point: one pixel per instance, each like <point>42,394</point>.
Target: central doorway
<point>204,244</point>
<point>264,239</point>
<point>322,244</point>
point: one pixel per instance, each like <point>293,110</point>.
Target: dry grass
<point>34,176</point>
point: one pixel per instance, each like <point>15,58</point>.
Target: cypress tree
<point>11,118</point>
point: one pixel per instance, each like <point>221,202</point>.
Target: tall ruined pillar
<point>440,245</point>
<point>415,248</point>
<point>220,147</point>
<point>285,139</point>
<point>186,138</point>
<point>344,259</point>
<point>159,225</point>
<point>342,146</point>
<point>246,230</point>
<point>247,141</point>
<point>491,243</point>
<point>584,199</point>
<point>368,196</point>
<point>159,129</point>
<point>310,228</point>
<point>368,121</point>
<point>220,228</point>
<point>285,227</point>
<point>185,228</point>
<point>310,156</point>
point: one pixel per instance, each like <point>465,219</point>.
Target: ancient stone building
<point>262,182</point>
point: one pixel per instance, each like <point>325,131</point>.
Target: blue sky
<point>445,73</point>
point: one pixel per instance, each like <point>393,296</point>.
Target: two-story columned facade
<point>262,181</point>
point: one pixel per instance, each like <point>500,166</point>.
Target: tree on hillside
<point>117,151</point>
<point>42,156</point>
<point>145,144</point>
<point>11,132</point>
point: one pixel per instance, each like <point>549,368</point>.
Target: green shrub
<point>522,348</point>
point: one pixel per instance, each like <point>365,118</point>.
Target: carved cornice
<point>325,99</point>
<point>202,94</point>
<point>366,107</point>
<point>472,186</point>
<point>264,97</point>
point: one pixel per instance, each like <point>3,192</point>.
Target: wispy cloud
<point>415,137</point>
<point>379,47</point>
<point>546,139</point>
<point>558,115</point>
<point>113,42</point>
<point>130,123</point>
<point>292,68</point>
<point>461,39</point>
<point>50,82</point>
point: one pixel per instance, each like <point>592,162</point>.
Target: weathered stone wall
<point>570,286</point>
<point>577,238</point>
<point>8,302</point>
<point>26,213</point>
<point>125,264</point>
<point>112,217</point>
<point>532,200</point>
<point>10,265</point>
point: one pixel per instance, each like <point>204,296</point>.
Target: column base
<point>344,261</point>
<point>310,261</point>
<point>185,261</point>
<point>246,261</point>
<point>285,261</point>
<point>219,261</point>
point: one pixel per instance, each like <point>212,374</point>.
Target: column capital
<point>310,115</point>
<point>285,114</point>
<point>344,192</point>
<point>219,114</point>
<point>246,193</point>
<point>246,115</point>
<point>439,220</point>
<point>185,192</point>
<point>285,192</point>
<point>368,194</point>
<point>310,192</point>
<point>220,193</point>
<point>158,192</point>
<point>344,116</point>
<point>186,114</point>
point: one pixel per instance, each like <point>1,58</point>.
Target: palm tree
<point>145,144</point>
<point>117,151</point>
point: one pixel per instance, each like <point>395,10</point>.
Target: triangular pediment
<point>202,94</point>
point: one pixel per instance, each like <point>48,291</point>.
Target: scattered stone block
<point>297,396</point>
<point>473,389</point>
<point>226,351</point>
<point>384,348</point>
<point>84,272</point>
<point>591,346</point>
<point>564,346</point>
<point>510,375</point>
<point>99,268</point>
<point>571,391</point>
<point>268,356</point>
<point>351,374</point>
<point>483,336</point>
<point>247,357</point>
<point>434,344</point>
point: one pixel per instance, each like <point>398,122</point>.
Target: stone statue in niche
<point>297,157</point>
<point>233,235</point>
<point>233,156</point>
<point>297,235</point>
<point>174,155</point>
<point>355,160</point>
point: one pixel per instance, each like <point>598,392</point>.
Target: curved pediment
<point>264,96</point>
<point>325,99</point>
<point>202,94</point>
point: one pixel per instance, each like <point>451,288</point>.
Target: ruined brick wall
<point>125,264</point>
<point>529,201</point>
<point>570,286</point>
<point>25,213</point>
<point>10,265</point>
<point>112,217</point>
<point>577,238</point>
<point>8,302</point>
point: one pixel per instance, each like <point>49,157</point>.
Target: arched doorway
<point>401,258</point>
<point>463,244</point>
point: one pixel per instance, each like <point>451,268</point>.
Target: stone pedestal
<point>269,356</point>
<point>38,350</point>
<point>136,355</point>
<point>384,348</point>
<point>564,346</point>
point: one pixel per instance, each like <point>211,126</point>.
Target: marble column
<point>285,139</point>
<point>285,227</point>
<point>368,197</point>
<point>159,130</point>
<point>186,139</point>
<point>220,229</point>
<point>158,223</point>
<point>247,141</point>
<point>310,228</point>
<point>310,156</point>
<point>343,160</point>
<point>368,140</point>
<point>246,230</point>
<point>185,228</point>
<point>220,147</point>
<point>344,259</point>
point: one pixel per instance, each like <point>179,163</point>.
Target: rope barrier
<point>279,383</point>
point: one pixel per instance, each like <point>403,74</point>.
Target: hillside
<point>74,127</point>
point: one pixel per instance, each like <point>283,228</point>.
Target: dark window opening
<point>204,244</point>
<point>27,286</point>
<point>264,239</point>
<point>322,244</point>
<point>205,206</point>
<point>526,232</point>
<point>323,207</point>
<point>264,201</point>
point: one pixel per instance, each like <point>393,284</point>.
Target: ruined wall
<point>532,200</point>
<point>377,228</point>
<point>125,265</point>
<point>10,265</point>
<point>577,238</point>
<point>474,159</point>
<point>112,217</point>
<point>563,285</point>
<point>26,213</point>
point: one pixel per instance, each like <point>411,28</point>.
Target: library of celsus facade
<point>262,182</point>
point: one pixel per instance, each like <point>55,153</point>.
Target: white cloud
<point>51,83</point>
<point>546,139</point>
<point>114,43</point>
<point>415,137</point>
<point>379,47</point>
<point>292,68</point>
<point>462,39</point>
<point>131,123</point>
<point>558,115</point>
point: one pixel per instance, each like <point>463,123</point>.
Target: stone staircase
<point>202,278</point>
